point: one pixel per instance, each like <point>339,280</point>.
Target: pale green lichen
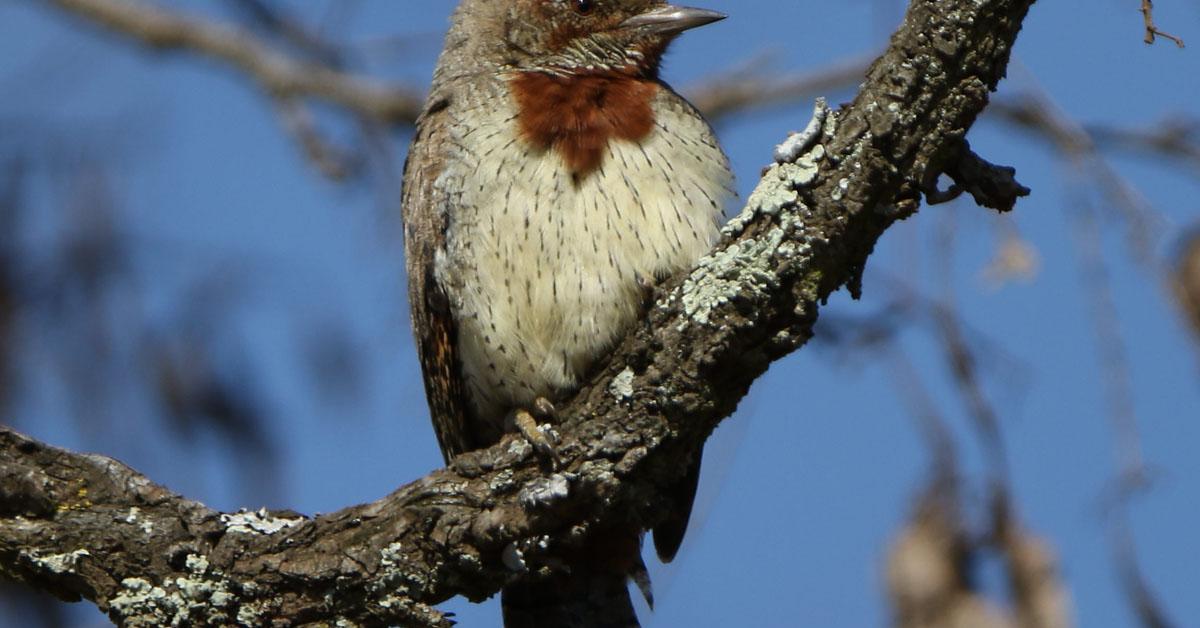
<point>138,598</point>
<point>394,578</point>
<point>746,268</point>
<point>252,614</point>
<point>778,190</point>
<point>723,275</point>
<point>797,143</point>
<point>749,265</point>
<point>59,563</point>
<point>196,563</point>
<point>621,386</point>
<point>391,555</point>
<point>200,598</point>
<point>222,598</point>
<point>840,191</point>
<point>258,522</point>
<point>134,518</point>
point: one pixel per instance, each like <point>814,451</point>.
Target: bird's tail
<point>668,535</point>
<point>574,600</point>
<point>591,592</point>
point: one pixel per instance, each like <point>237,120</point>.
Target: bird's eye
<point>584,7</point>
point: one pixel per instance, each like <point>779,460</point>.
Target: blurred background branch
<point>279,74</point>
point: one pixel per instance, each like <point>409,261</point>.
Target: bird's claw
<point>541,437</point>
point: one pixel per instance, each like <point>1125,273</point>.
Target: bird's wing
<point>424,210</point>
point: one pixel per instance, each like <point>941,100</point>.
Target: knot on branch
<point>992,186</point>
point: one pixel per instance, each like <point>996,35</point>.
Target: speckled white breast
<point>545,270</point>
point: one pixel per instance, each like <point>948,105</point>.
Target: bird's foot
<point>650,290</point>
<point>542,437</point>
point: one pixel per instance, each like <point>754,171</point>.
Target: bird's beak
<point>671,19</point>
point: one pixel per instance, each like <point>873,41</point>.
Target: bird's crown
<point>567,37</point>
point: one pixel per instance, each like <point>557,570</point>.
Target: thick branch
<point>87,526</point>
<point>279,74</point>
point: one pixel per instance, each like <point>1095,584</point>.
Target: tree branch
<point>1152,30</point>
<point>86,526</point>
<point>281,75</point>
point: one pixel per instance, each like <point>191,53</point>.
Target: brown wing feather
<point>424,209</point>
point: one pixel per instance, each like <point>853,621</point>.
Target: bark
<point>87,526</point>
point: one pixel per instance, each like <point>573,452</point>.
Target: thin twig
<point>333,162</point>
<point>1036,111</point>
<point>1174,138</point>
<point>1152,30</point>
<point>1132,473</point>
<point>747,87</point>
<point>280,24</point>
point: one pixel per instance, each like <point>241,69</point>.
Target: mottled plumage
<point>552,175</point>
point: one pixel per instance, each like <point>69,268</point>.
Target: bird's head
<point>574,37</point>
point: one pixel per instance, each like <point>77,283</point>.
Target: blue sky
<point>804,487</point>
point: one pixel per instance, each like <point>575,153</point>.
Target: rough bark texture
<point>87,526</point>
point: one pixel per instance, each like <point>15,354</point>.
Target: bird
<point>552,179</point>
